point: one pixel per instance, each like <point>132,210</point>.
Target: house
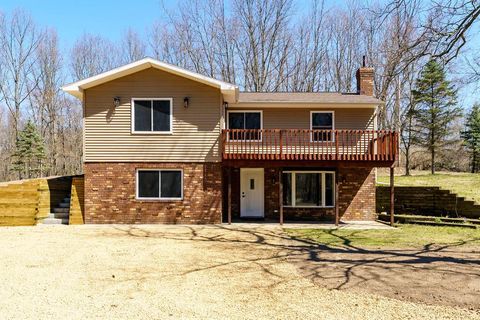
<point>167,145</point>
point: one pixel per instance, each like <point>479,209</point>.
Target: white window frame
<point>244,111</point>
<point>311,125</point>
<point>323,191</point>
<point>132,116</point>
<point>137,197</point>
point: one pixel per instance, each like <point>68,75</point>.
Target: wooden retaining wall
<point>77,200</point>
<point>427,201</point>
<point>25,202</point>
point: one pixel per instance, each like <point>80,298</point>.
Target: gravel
<point>176,272</point>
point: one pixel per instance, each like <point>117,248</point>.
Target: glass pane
<point>329,189</point>
<point>161,115</point>
<point>252,120</point>
<point>143,115</point>
<point>307,189</point>
<point>287,189</point>
<point>236,120</point>
<point>171,184</point>
<point>322,120</point>
<point>148,184</point>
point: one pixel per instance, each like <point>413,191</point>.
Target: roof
<point>229,91</point>
<point>307,97</point>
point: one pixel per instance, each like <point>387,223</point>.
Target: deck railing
<point>300,144</point>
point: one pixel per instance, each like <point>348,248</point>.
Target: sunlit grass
<point>405,236</point>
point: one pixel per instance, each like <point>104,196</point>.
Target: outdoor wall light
<point>225,105</point>
<point>116,101</point>
<point>186,101</point>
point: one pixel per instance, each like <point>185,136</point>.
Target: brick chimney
<point>365,80</point>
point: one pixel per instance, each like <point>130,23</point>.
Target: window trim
<point>132,116</point>
<point>244,111</point>
<point>137,197</point>
<point>323,190</point>
<point>312,112</point>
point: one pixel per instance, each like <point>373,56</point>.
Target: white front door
<point>251,192</point>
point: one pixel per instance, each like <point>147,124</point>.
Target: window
<point>152,115</point>
<point>159,184</point>
<point>308,188</point>
<point>245,120</point>
<point>322,120</point>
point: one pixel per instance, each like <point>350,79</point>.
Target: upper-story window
<point>152,115</point>
<point>322,120</point>
<point>245,120</point>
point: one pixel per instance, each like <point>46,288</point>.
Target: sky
<point>72,18</point>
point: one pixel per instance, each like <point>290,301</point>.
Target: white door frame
<point>258,197</point>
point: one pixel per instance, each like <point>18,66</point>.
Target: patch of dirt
<point>435,275</point>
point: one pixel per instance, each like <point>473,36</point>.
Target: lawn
<point>464,184</point>
<point>405,236</point>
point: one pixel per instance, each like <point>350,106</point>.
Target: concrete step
<point>64,205</point>
<point>54,221</point>
<point>63,215</point>
<point>61,210</point>
<point>66,199</point>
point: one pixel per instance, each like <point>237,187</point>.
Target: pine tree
<point>471,136</point>
<point>436,109</point>
<point>29,152</point>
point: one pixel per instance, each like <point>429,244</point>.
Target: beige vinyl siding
<point>196,129</point>
<point>345,118</point>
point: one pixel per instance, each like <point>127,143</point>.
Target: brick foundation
<point>356,197</point>
<point>110,195</point>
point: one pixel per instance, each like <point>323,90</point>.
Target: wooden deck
<point>310,145</point>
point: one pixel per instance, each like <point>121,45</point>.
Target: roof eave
<point>76,88</point>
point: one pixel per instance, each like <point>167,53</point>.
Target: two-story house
<point>166,145</point>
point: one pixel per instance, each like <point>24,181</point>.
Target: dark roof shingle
<point>306,97</point>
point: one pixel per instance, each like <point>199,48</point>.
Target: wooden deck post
<point>337,213</point>
<point>229,200</point>
<point>280,195</point>
<point>392,196</point>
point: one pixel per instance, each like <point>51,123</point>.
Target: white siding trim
<point>323,190</point>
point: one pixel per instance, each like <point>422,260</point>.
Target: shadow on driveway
<point>437,275</point>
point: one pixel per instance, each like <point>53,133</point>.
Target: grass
<point>405,236</point>
<point>464,184</point>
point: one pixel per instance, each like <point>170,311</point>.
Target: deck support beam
<point>280,196</point>
<point>392,196</point>
<point>337,213</point>
<point>229,200</point>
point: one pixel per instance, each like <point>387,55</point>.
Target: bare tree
<point>47,99</point>
<point>91,55</point>
<point>308,53</point>
<point>19,40</point>
<point>263,42</point>
<point>132,47</point>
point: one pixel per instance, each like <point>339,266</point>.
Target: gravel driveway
<point>176,272</point>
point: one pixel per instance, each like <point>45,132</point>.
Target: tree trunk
<point>407,161</point>
<point>474,162</point>
<point>433,161</point>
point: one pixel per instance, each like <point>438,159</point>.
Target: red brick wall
<point>356,197</point>
<point>357,193</point>
<point>365,81</point>
<point>110,195</point>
